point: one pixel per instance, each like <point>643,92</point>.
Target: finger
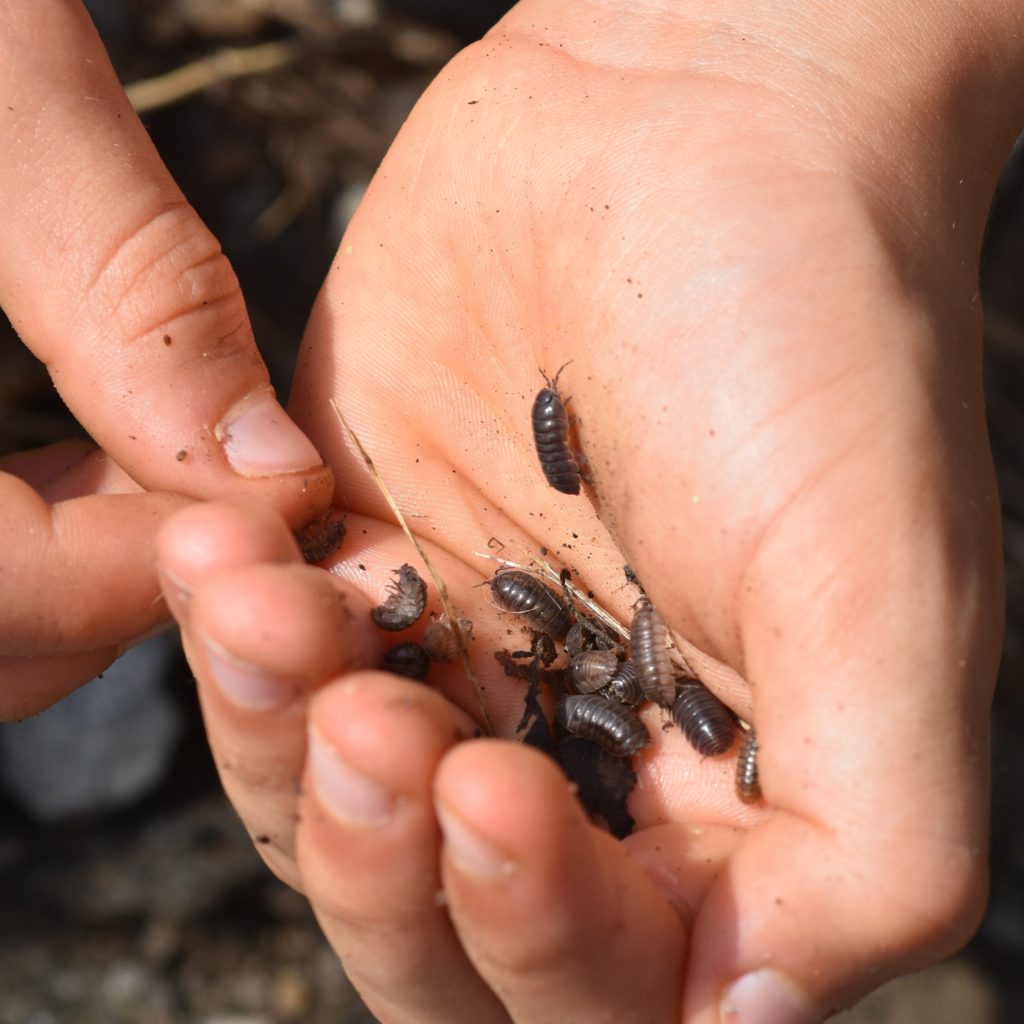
<point>261,631</point>
<point>555,916</point>
<point>30,685</point>
<point>114,282</point>
<point>42,467</point>
<point>368,848</point>
<point>78,574</point>
<point>870,707</point>
<point>78,580</point>
<point>204,539</point>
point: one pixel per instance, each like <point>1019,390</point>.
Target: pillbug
<point>624,686</point>
<point>405,602</point>
<point>439,638</point>
<point>748,786</point>
<point>592,670</point>
<point>406,659</point>
<point>613,726</point>
<point>648,637</point>
<point>519,592</point>
<point>321,539</point>
<point>706,722</point>
<point>551,438</point>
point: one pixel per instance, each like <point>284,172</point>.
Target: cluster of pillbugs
<point>608,682</point>
<point>609,676</point>
<point>402,608</point>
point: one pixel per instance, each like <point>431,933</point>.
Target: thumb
<point>871,696</point>
<point>111,278</point>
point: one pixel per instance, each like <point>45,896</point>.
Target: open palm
<point>782,416</point>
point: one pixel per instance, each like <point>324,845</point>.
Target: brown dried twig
<point>233,62</point>
<point>540,567</point>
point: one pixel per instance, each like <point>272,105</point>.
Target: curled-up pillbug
<point>591,670</point>
<point>321,539</point>
<point>648,637</point>
<point>615,727</point>
<point>439,638</point>
<point>406,659</point>
<point>519,592</point>
<point>551,438</point>
<point>624,685</point>
<point>748,786</point>
<point>405,602</point>
<point>706,722</point>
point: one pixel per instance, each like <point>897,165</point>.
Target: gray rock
<point>101,747</point>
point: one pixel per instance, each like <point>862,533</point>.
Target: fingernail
<point>470,851</point>
<point>177,592</point>
<point>260,440</point>
<point>347,794</point>
<point>245,685</point>
<point>766,997</point>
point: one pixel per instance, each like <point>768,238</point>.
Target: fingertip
<point>512,827</point>
<point>369,716</point>
<point>551,910</point>
<point>210,536</point>
<point>291,623</point>
<point>492,783</point>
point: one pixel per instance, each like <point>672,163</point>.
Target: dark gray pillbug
<point>706,722</point>
<point>591,670</point>
<point>405,602</point>
<point>519,592</point>
<point>648,637</point>
<point>624,685</point>
<point>551,438</point>
<point>748,786</point>
<point>613,726</point>
<point>406,659</point>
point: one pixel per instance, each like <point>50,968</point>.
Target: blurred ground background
<point>158,911</point>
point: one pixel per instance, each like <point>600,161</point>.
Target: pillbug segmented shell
<point>612,725</point>
<point>649,653</point>
<point>748,786</point>
<point>624,685</point>
<point>406,600</point>
<point>551,438</point>
<point>519,592</point>
<point>592,670</point>
<point>706,722</point>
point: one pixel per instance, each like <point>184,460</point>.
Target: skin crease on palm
<point>772,339</point>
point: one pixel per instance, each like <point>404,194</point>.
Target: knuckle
<point>168,276</point>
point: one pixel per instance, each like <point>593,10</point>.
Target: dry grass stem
<point>539,567</point>
<point>442,589</point>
